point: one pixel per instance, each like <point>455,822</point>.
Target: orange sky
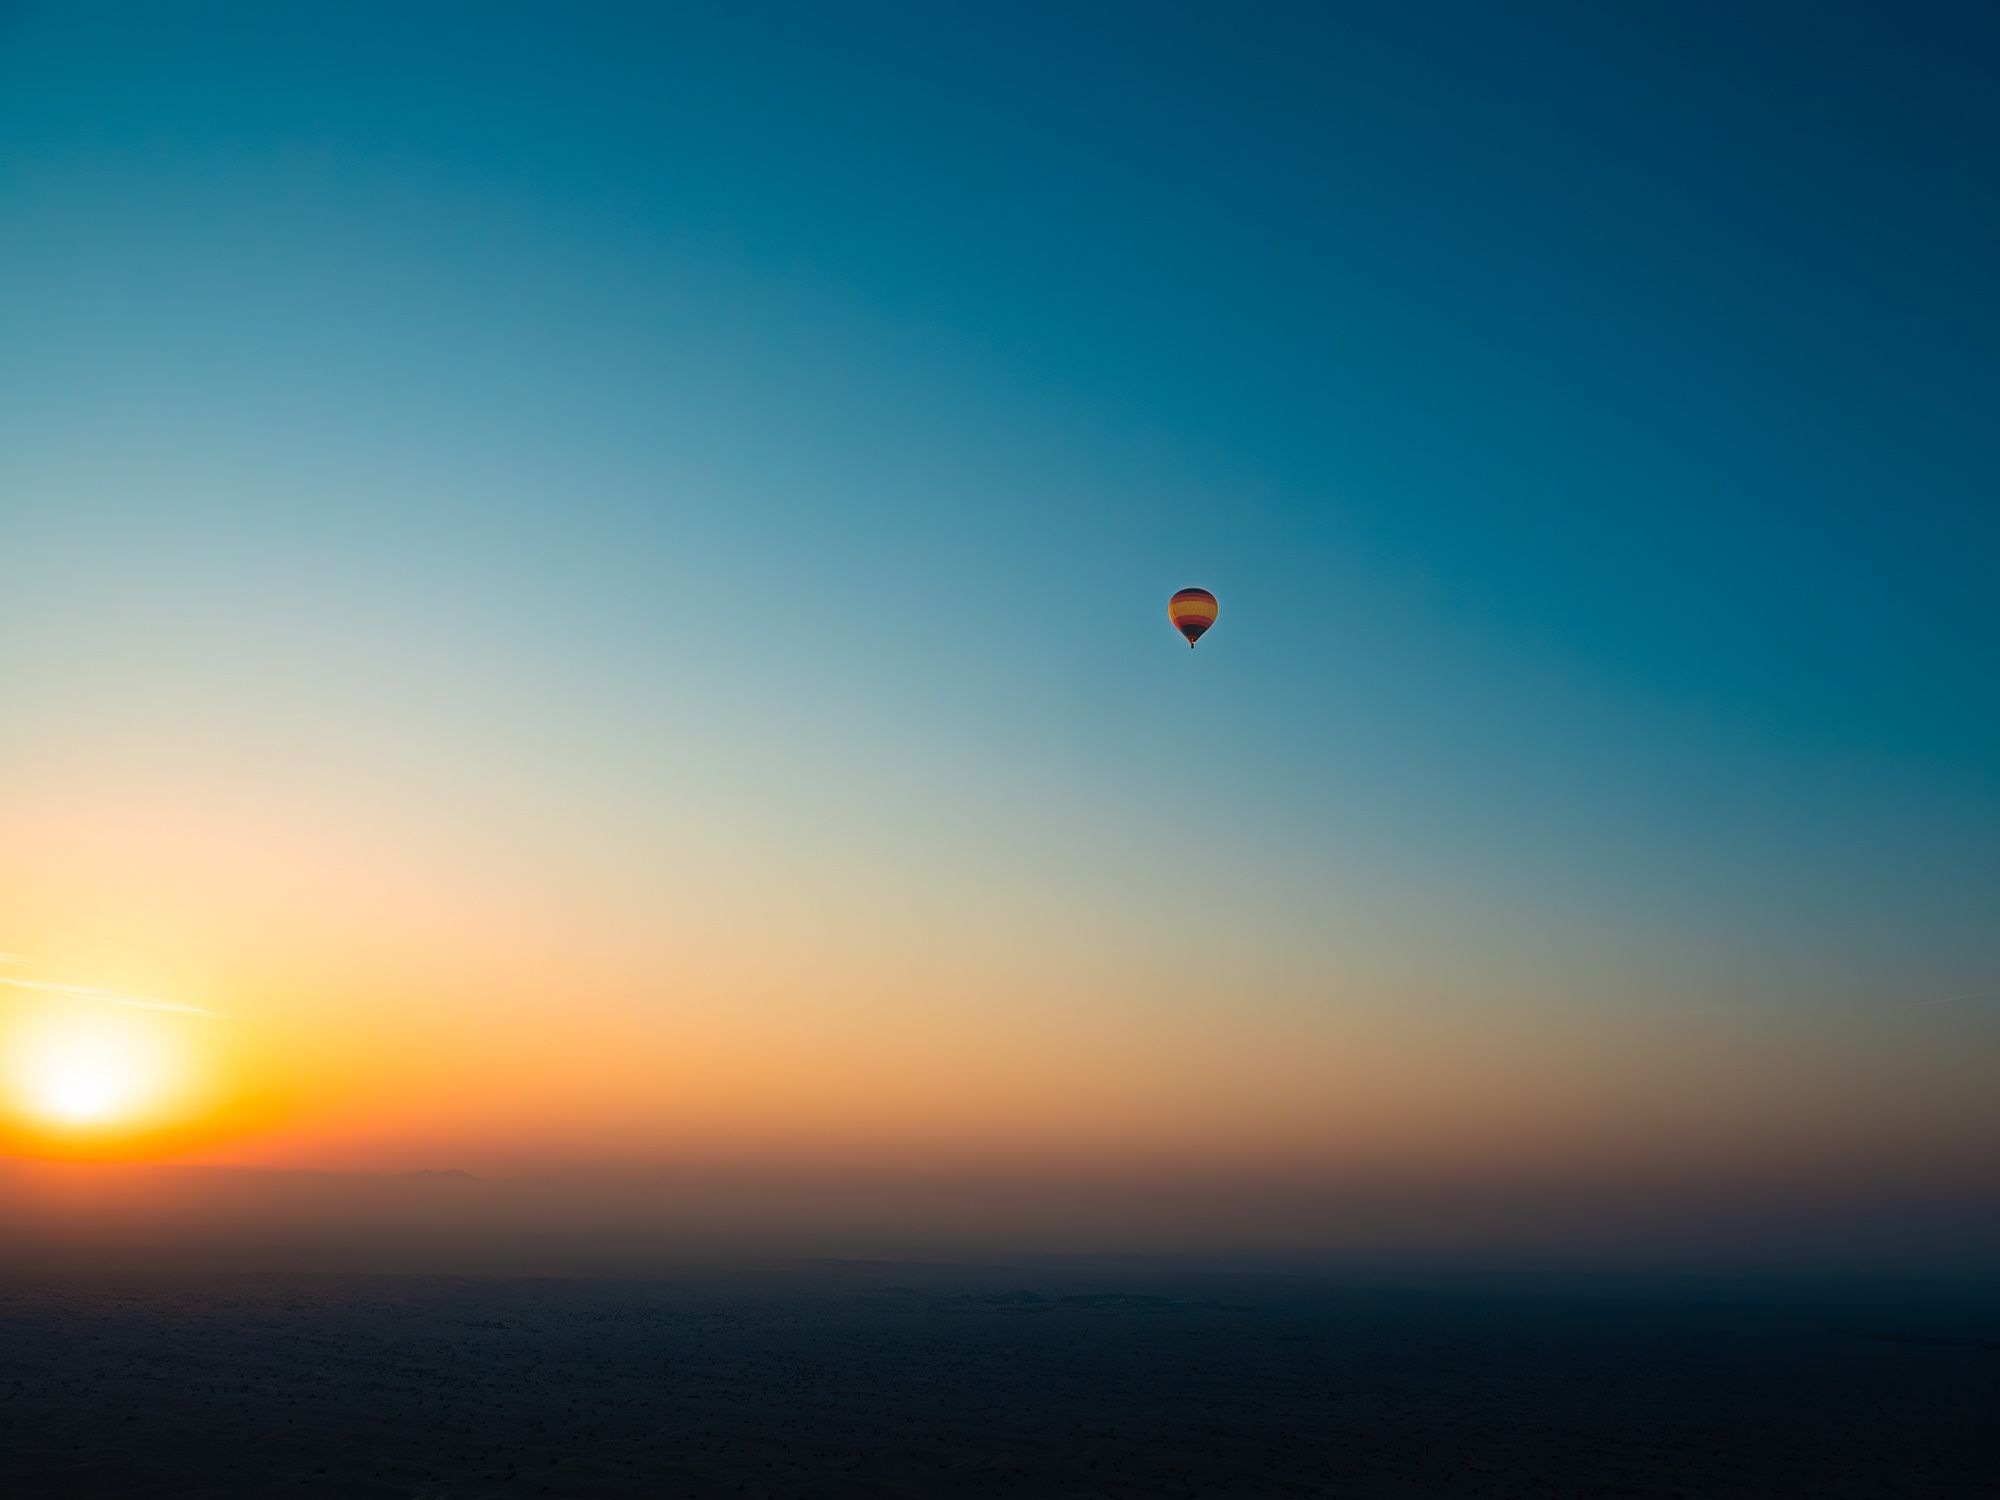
<point>396,994</point>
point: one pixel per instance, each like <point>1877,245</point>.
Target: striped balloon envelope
<point>1192,611</point>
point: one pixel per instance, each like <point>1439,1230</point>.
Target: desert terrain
<point>854,1379</point>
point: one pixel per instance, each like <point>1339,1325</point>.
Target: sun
<point>92,1073</point>
<point>84,1089</point>
<point>89,1075</point>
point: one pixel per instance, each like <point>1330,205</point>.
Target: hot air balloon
<point>1193,611</point>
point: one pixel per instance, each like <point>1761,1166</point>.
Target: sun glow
<point>74,1072</point>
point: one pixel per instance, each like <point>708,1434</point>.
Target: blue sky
<point>800,416</point>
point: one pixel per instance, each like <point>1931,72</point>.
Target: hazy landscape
<point>857,1379</point>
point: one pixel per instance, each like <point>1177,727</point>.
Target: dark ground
<point>857,1380</point>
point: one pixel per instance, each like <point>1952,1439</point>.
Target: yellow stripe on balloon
<point>1193,611</point>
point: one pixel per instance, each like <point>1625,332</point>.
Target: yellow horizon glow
<point>417,990</point>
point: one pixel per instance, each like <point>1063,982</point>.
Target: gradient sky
<point>594,582</point>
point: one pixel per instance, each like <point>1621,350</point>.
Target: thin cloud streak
<point>109,997</point>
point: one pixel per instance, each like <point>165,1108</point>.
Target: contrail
<point>109,997</point>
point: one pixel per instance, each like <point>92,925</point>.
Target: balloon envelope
<point>1192,611</point>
